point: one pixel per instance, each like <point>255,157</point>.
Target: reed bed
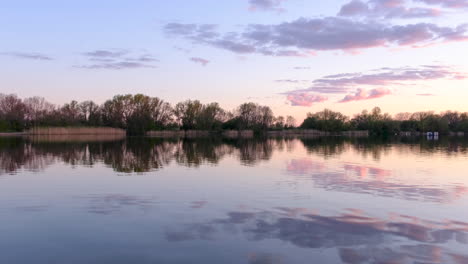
<point>76,131</point>
<point>200,133</point>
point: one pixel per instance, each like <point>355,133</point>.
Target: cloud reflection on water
<point>356,178</point>
<point>359,238</point>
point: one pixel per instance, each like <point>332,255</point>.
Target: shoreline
<point>12,134</point>
<point>113,132</point>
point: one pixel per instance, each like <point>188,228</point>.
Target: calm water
<point>137,200</point>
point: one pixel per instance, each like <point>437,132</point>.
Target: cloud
<point>371,85</point>
<point>266,5</point>
<point>425,94</point>
<point>201,61</point>
<point>195,31</point>
<point>362,94</point>
<point>304,36</point>
<point>305,99</point>
<point>353,8</point>
<point>390,76</point>
<point>290,81</point>
<point>117,60</point>
<point>27,55</point>
<point>386,9</point>
<point>105,53</point>
<point>116,65</point>
<point>301,68</point>
<point>181,49</point>
<point>144,58</point>
<point>446,3</point>
<point>198,204</point>
<point>343,82</point>
<point>325,89</point>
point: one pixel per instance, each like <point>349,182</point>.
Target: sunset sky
<point>296,56</point>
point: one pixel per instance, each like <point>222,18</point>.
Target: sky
<point>296,56</point>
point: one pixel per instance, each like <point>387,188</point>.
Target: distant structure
<point>432,135</point>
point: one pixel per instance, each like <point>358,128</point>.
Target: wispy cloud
<point>200,61</point>
<point>343,82</point>
<point>362,94</point>
<point>266,5</point>
<point>425,94</point>
<point>116,65</point>
<point>105,53</point>
<point>143,58</point>
<point>290,81</point>
<point>116,60</point>
<point>446,3</point>
<point>27,55</point>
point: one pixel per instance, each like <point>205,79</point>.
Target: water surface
<point>264,201</point>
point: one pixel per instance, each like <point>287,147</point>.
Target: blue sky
<point>64,50</point>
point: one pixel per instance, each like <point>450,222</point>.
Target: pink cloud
<point>344,82</point>
<point>371,85</point>
<point>305,99</point>
<point>460,76</point>
<point>201,61</point>
<point>362,94</point>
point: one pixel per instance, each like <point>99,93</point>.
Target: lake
<point>76,200</point>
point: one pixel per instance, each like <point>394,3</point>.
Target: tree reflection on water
<point>137,155</point>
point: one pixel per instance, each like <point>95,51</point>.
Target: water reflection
<point>377,147</point>
<point>116,203</point>
<point>356,178</point>
<point>256,201</point>
<point>146,154</point>
<point>128,155</point>
<point>139,155</point>
<point>265,258</point>
<point>359,238</point>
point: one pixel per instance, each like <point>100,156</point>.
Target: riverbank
<point>65,132</point>
<point>12,134</point>
<point>76,131</point>
<point>317,133</point>
<point>251,133</point>
<point>68,131</point>
<point>419,134</point>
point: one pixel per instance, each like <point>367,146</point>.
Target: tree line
<point>141,113</point>
<point>137,114</point>
<point>379,123</point>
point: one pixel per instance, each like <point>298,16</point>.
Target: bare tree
<point>290,122</point>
